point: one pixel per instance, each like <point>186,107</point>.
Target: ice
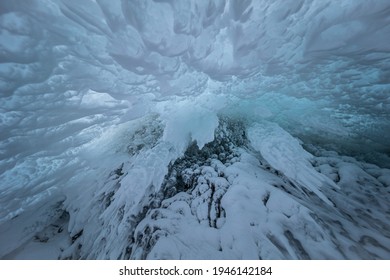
<point>93,99</point>
<point>187,121</point>
<point>194,129</point>
<point>284,153</point>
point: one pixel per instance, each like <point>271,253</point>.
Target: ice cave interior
<point>210,129</point>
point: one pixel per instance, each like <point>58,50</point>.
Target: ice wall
<point>55,52</point>
<point>76,75</point>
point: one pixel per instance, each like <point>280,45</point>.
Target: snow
<point>285,154</point>
<point>187,121</point>
<point>194,130</point>
<point>93,99</point>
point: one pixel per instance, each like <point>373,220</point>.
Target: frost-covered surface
<point>194,129</point>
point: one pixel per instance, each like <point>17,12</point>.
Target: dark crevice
<point>76,236</point>
<point>266,198</point>
<point>297,245</point>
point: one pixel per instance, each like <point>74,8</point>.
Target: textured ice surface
<point>194,129</point>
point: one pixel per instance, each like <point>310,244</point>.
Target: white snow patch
<point>284,153</point>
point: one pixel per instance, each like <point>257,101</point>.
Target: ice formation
<point>224,129</point>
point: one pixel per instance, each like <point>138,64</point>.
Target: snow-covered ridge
<point>229,200</point>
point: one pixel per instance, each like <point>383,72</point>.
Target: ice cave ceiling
<point>88,88</point>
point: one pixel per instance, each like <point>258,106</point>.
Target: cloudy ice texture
<point>195,129</point>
